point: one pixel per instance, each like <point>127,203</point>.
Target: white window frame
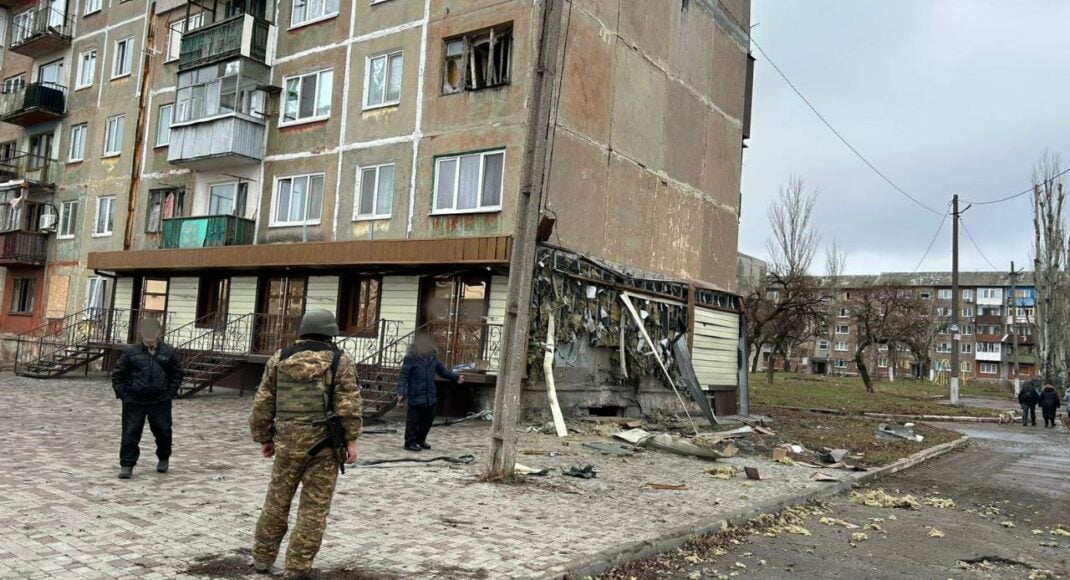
<point>966,366</point>
<point>388,57</point>
<point>115,123</point>
<point>315,99</point>
<point>841,346</point>
<point>126,53</point>
<point>988,368</point>
<point>968,294</point>
<point>307,21</point>
<point>79,135</point>
<point>377,213</point>
<point>82,59</point>
<point>96,286</point>
<point>275,223</point>
<point>457,180</point>
<point>944,294</point>
<point>110,199</point>
<point>240,200</point>
<point>943,348</point>
<point>175,30</point>
<point>966,347</point>
<point>843,329</point>
<point>170,107</point>
<point>92,7</point>
<point>967,312</point>
<point>822,344</point>
<point>844,313</point>
<point>67,228</point>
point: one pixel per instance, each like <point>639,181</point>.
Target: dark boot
<point>424,445</point>
<point>162,466</point>
<point>126,472</point>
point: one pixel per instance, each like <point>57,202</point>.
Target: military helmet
<point>318,323</point>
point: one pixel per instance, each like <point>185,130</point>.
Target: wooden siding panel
<point>496,310</point>
<point>714,354</point>
<point>242,295</point>
<point>322,294</point>
<point>182,300</point>
<point>400,297</point>
<point>124,293</point>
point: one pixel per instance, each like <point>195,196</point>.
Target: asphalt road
<point>1009,485</point>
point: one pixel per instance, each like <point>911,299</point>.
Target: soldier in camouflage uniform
<point>291,396</point>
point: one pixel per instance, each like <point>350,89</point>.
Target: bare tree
<point>921,326</point>
<point>1050,263</point>
<point>883,315</point>
<point>794,241</point>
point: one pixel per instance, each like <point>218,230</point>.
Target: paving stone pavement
<point>64,514</point>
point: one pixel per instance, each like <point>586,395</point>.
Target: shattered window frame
<point>478,60</point>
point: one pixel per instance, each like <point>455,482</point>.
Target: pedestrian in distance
<point>1028,398</point>
<point>1066,399</point>
<point>146,378</point>
<point>307,416</point>
<point>1049,405</point>
<point>416,388</point>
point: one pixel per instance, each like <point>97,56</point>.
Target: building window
<point>925,295</point>
<point>102,225</point>
<point>376,192</point>
<point>469,183</point>
<point>822,345</point>
<point>966,366</point>
<point>967,294</point>
<point>113,135</point>
<point>905,293</point>
<point>14,84</point>
<point>76,151</point>
<point>163,125</point>
<point>309,11</point>
<point>966,347</point>
<point>22,295</point>
<point>227,198</point>
<point>989,347</point>
<point>967,312</point>
<point>942,311</point>
<point>95,293</point>
<point>87,69</point>
<point>840,363</point>
<point>882,362</point>
<point>943,347</point>
<point>358,305</point>
<point>841,346</point>
<point>773,295</point>
<point>8,150</point>
<point>22,26</point>
<point>307,98</point>
<point>843,329</point>
<point>68,220</point>
<point>988,368</point>
<point>298,200</point>
<point>123,61</point>
<point>967,329</point>
<point>218,90</point>
<point>175,30</point>
<point>944,294</point>
<point>92,6</point>
<point>164,204</point>
<point>212,296</point>
<point>477,60</point>
<point>844,313</point>
<point>382,80</point>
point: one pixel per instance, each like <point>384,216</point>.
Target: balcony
<point>990,319</point>
<point>33,170</point>
<point>206,231</point>
<point>1023,359</point>
<point>40,31</point>
<point>21,248</point>
<point>243,35</point>
<point>988,356</point>
<point>32,104</point>
<point>217,142</point>
<point>989,337</point>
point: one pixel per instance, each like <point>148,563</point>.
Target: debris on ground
<point>730,450</point>
<point>838,522</point>
<point>667,486</point>
<point>905,432</point>
<point>666,442</point>
<point>581,471</point>
<point>823,477</point>
<point>752,473</point>
<point>881,498</point>
<point>520,469</point>
<point>724,472</point>
<point>633,436</point>
<point>1060,531</point>
<point>610,449</point>
<point>940,502</point>
<point>834,455</point>
<point>935,533</point>
<point>1041,575</point>
<point>797,530</point>
<point>859,537</point>
<point>1007,524</point>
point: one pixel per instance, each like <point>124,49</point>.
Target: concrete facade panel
<point>587,80</point>
<point>638,112</point>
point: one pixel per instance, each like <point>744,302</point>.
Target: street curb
<point>600,562</point>
<point>1003,419</point>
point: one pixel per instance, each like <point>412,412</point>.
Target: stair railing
<point>41,342</point>
<point>229,338</point>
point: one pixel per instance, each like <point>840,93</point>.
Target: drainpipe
<point>139,132</point>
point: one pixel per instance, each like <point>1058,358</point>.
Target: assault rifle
<point>336,433</point>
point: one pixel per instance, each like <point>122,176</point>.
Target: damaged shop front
<point>603,365</point>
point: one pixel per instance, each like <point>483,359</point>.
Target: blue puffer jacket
<point>417,383</point>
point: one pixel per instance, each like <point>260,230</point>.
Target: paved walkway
<point>63,513</point>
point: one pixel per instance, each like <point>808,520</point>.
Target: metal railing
<point>367,341</point>
<point>467,346</point>
<point>27,27</point>
<point>29,167</point>
<point>206,231</point>
<point>45,97</point>
<point>224,40</point>
<point>22,247</point>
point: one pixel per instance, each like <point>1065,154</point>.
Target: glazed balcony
<point>217,142</point>
<point>33,170</point>
<point>33,103</point>
<point>206,232</point>
<point>22,248</point>
<point>243,35</point>
<point>40,31</point>
<point>991,319</point>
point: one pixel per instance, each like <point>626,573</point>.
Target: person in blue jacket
<point>416,388</point>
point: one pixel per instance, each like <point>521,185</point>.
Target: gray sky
<point>944,96</point>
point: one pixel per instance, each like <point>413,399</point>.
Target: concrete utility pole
<point>1012,320</point>
<point>956,332</point>
<point>514,355</point>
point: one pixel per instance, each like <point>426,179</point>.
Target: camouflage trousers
<point>317,477</point>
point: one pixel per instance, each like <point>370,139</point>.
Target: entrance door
<point>281,304</point>
<point>455,309</point>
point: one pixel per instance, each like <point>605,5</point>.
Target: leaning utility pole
<point>956,332</point>
<point>514,354</point>
<point>1012,320</point>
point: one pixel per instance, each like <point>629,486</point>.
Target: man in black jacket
<point>146,378</point>
<point>1028,398</point>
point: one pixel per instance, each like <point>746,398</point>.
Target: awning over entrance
<point>489,251</point>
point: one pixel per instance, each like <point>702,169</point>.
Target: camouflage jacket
<point>303,366</point>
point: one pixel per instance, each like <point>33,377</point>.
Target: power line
<point>974,242</point>
<point>837,133</point>
<point>939,229</point>
<point>1019,194</point>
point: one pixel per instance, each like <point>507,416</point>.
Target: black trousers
<point>1029,412</point>
<point>418,423</point>
<point>1049,416</point>
<point>134,416</point>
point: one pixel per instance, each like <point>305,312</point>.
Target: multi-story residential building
<point>228,164</point>
<point>986,344</point>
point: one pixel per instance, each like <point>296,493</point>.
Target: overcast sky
<point>944,96</point>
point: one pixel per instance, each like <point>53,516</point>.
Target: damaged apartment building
<point>226,165</point>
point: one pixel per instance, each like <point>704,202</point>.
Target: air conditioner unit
<point>47,222</point>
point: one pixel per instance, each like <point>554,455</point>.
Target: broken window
<point>478,60</point>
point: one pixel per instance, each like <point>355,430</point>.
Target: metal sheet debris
<point>752,473</point>
<point>666,442</point>
<point>609,449</point>
<point>633,436</point>
<point>887,431</point>
<point>682,355</point>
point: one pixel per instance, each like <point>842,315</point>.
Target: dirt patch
<point>220,566</point>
